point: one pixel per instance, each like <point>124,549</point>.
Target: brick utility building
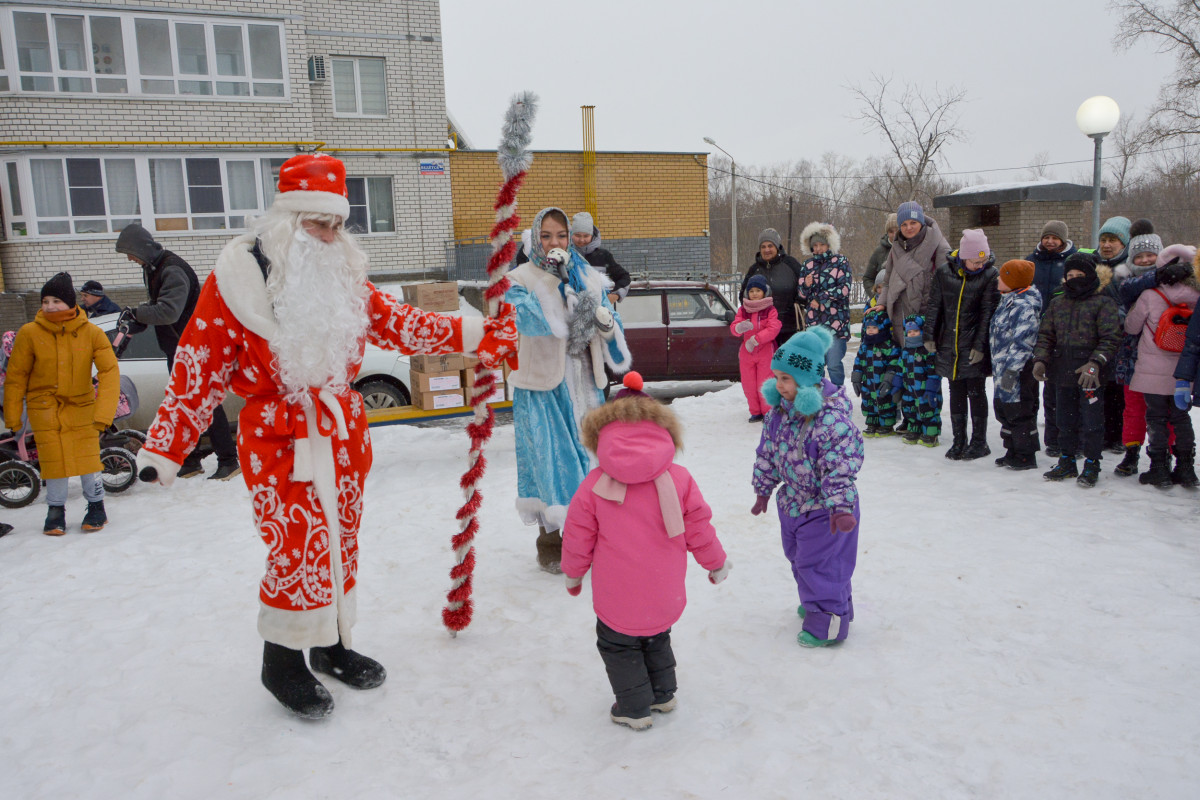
<point>1012,214</point>
<point>651,208</point>
<point>178,115</point>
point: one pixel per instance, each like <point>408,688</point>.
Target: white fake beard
<point>319,294</point>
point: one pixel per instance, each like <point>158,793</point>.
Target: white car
<point>382,379</point>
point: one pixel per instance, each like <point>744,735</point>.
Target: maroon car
<point>679,331</point>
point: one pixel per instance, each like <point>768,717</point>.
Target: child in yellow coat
<point>50,369</point>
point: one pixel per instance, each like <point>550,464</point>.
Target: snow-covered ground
<point>1013,639</point>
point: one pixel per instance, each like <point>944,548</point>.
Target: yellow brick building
<point>651,208</point>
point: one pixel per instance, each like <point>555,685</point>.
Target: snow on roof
<point>999,187</point>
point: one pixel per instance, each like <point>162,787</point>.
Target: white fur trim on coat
<point>303,201</point>
<point>825,229</point>
<point>167,469</point>
<point>242,287</point>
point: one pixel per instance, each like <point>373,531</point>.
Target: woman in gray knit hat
<point>783,274</point>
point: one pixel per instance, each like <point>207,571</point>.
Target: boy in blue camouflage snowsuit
<point>1013,335</point>
<point>922,398</point>
<point>812,450</point>
<point>876,374</point>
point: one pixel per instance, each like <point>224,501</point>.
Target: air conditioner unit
<point>316,69</point>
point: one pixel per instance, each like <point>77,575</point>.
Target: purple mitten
<point>841,522</point>
<point>760,505</point>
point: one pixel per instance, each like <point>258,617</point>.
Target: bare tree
<point>1175,29</point>
<point>916,124</point>
<point>1126,140</point>
<point>1038,166</point>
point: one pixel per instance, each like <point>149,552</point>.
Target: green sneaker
<point>806,639</point>
<point>800,610</point>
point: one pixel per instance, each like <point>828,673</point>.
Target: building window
<point>359,87</point>
<point>193,57</point>
<point>70,196</point>
<point>371,209</point>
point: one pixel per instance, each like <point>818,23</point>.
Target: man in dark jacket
<point>586,238</point>
<point>1048,258</point>
<point>174,289</point>
<point>1076,343</point>
<point>783,274</point>
<point>94,301</point>
<point>879,257</point>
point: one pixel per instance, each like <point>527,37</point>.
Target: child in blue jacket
<point>1013,335</point>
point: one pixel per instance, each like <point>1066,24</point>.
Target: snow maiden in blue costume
<point>568,332</point>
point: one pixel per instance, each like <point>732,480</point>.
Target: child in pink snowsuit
<point>632,522</point>
<point>757,322</point>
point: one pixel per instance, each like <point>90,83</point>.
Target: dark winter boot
<point>226,470</point>
<point>978,448</point>
<point>1129,464</point>
<point>56,521</point>
<point>958,425</point>
<point>95,518</point>
<point>1090,474</point>
<point>1065,468</point>
<point>285,676</point>
<point>1184,473</point>
<point>1053,451</point>
<point>549,551</point>
<point>5,528</point>
<point>1022,461</point>
<point>1159,473</point>
<point>349,667</point>
<point>1006,459</point>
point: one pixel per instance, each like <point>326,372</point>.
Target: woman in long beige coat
<point>50,370</point>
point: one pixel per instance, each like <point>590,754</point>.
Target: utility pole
<point>789,244</point>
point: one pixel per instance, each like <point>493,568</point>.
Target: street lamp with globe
<point>1097,117</point>
<point>733,263</point>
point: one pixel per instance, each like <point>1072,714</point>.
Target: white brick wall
<point>406,34</point>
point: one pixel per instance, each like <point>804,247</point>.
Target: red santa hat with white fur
<point>313,183</point>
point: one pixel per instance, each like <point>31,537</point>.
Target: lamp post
<point>733,205</point>
<point>1096,117</point>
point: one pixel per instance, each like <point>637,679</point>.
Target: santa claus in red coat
<point>283,321</point>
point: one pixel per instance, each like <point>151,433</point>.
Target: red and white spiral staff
<point>514,158</point>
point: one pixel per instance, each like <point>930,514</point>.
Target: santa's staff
<point>514,158</point>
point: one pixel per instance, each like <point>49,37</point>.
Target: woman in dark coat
<point>957,321</point>
<point>783,273</point>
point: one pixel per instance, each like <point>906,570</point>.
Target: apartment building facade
<point>178,115</point>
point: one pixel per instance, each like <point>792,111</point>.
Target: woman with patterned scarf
<point>568,333</point>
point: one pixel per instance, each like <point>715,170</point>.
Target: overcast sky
<point>766,78</point>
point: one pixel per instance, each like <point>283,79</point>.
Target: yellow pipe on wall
<point>111,143</point>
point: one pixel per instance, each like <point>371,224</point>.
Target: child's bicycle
<point>21,480</point>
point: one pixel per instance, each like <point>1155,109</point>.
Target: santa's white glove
<point>715,576</point>
<point>605,323</point>
<point>744,326</point>
<point>751,343</point>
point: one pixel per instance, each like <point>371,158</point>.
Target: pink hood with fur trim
<point>622,532</point>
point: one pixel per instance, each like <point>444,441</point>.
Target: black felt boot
<point>958,423</point>
<point>1129,464</point>
<point>978,448</point>
<point>1159,473</point>
<point>1184,473</point>
<point>347,666</point>
<point>286,676</point>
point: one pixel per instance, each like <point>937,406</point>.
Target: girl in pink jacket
<point>1154,371</point>
<point>757,322</point>
<point>632,522</point>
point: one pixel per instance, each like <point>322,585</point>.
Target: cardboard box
<point>435,381</point>
<point>439,296</point>
<point>433,401</point>
<point>497,395</point>
<point>451,362</point>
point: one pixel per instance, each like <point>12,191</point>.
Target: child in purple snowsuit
<point>811,446</point>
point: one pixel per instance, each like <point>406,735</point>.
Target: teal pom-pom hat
<point>802,357</point>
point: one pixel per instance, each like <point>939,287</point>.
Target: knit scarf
<point>754,306</point>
